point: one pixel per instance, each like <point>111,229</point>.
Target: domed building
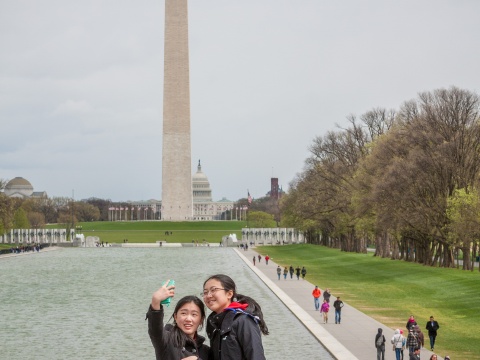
<point>22,188</point>
<point>201,186</point>
<point>203,206</point>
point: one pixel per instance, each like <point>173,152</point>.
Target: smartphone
<point>167,301</point>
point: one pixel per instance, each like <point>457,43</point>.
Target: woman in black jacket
<point>236,323</point>
<point>180,340</point>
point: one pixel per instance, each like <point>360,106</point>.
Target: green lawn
<point>151,231</point>
<point>390,291</point>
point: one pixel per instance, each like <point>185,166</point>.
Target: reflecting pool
<point>91,303</point>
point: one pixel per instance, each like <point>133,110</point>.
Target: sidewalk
<point>352,339</point>
<point>10,255</point>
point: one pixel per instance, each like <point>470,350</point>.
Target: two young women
<point>234,327</point>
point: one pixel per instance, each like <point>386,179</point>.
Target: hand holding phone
<point>169,299</point>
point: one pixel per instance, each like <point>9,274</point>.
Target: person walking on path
<point>254,258</point>
<point>380,344</point>
<point>297,272</point>
<point>279,271</point>
<point>415,355</point>
<point>316,297</point>
<point>338,304</point>
<point>285,273</point>
<point>404,343</point>
<point>411,322</point>
<point>412,342</point>
<point>266,259</point>
<point>324,311</point>
<point>291,270</point>
<point>420,336</point>
<point>327,294</point>
<point>304,272</point>
<point>259,258</point>
<point>432,327</point>
<point>397,341</point>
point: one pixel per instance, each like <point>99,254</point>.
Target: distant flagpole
<point>249,198</point>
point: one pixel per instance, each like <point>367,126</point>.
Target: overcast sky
<point>81,84</point>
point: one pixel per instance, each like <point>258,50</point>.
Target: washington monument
<point>176,153</point>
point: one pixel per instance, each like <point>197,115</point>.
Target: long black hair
<point>177,336</point>
<point>253,307</point>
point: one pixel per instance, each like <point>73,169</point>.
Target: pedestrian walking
<point>266,259</point>
<point>316,297</point>
<point>420,336</point>
<point>291,270</point>
<point>297,272</point>
<point>415,355</point>
<point>338,305</point>
<point>412,341</point>
<point>304,272</point>
<point>404,343</point>
<point>411,322</point>
<point>279,271</point>
<point>380,344</point>
<point>324,309</point>
<point>398,342</point>
<point>254,258</point>
<point>432,327</point>
<point>327,294</point>
<point>259,258</point>
<point>285,273</point>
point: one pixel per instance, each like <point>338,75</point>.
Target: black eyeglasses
<point>211,291</point>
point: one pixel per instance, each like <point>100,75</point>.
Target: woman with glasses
<point>236,323</point>
<point>180,340</point>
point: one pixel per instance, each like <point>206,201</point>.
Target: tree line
<point>405,181</point>
<point>19,213</point>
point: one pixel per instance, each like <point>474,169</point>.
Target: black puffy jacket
<point>160,337</point>
<point>234,335</point>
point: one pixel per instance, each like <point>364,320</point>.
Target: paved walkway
<point>352,339</point>
<point>10,255</point>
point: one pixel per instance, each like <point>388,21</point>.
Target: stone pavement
<point>10,255</point>
<point>350,340</point>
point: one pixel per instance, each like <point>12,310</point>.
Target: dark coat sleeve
<point>249,336</point>
<point>156,329</point>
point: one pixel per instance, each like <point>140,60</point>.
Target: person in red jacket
<point>266,259</point>
<point>316,297</point>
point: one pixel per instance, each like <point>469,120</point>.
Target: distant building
<point>275,190</point>
<point>204,208</point>
<point>22,188</point>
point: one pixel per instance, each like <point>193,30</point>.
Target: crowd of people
<point>26,248</point>
<point>413,342</point>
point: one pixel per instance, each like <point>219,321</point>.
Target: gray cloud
<point>81,84</point>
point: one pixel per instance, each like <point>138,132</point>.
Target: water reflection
<point>91,303</point>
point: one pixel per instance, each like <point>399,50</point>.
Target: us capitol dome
<point>203,206</point>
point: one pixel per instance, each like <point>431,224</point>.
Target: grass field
<point>390,291</point>
<point>151,231</point>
